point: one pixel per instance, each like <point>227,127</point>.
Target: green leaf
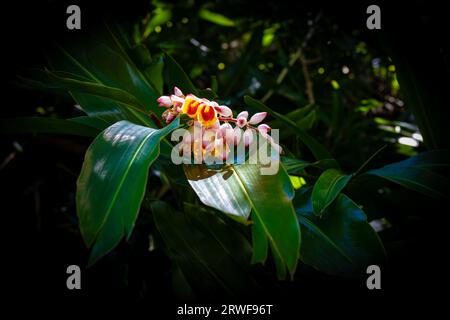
<point>113,69</point>
<point>215,18</point>
<point>236,190</point>
<point>259,240</point>
<point>152,69</point>
<point>109,65</point>
<point>93,97</point>
<point>154,74</point>
<point>305,118</point>
<point>46,125</point>
<point>308,121</point>
<point>414,173</point>
<point>112,181</point>
<point>327,188</point>
<point>97,89</point>
<point>212,255</point>
<point>316,148</point>
<point>340,243</point>
<point>109,110</point>
<point>433,159</point>
<point>177,77</point>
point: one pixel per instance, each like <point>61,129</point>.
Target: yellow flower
<point>207,115</point>
<point>191,106</point>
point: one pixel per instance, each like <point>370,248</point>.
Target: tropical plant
<point>305,213</point>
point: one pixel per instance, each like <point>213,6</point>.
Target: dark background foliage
<point>39,181</point>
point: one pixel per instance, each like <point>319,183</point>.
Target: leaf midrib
<point>333,185</point>
<point>122,180</point>
<point>268,234</point>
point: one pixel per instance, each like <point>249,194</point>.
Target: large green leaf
<point>340,243</point>
<point>112,69</point>
<point>213,256</point>
<point>105,112</point>
<point>94,88</point>
<point>105,60</point>
<point>327,188</point>
<point>112,181</point>
<point>316,148</point>
<point>239,189</point>
<point>414,173</point>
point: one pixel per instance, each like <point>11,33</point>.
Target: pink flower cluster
<point>216,122</point>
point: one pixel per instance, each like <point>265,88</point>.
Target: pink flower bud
<point>227,132</point>
<point>242,119</point>
<point>243,114</point>
<point>225,126</point>
<point>177,101</point>
<point>237,133</point>
<point>224,111</point>
<point>263,129</point>
<point>164,101</point>
<point>177,92</point>
<point>248,137</point>
<point>257,117</point>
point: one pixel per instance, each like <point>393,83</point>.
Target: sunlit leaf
<point>111,184</point>
<point>269,197</point>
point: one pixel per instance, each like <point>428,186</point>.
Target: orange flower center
<point>207,113</point>
<point>190,107</point>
